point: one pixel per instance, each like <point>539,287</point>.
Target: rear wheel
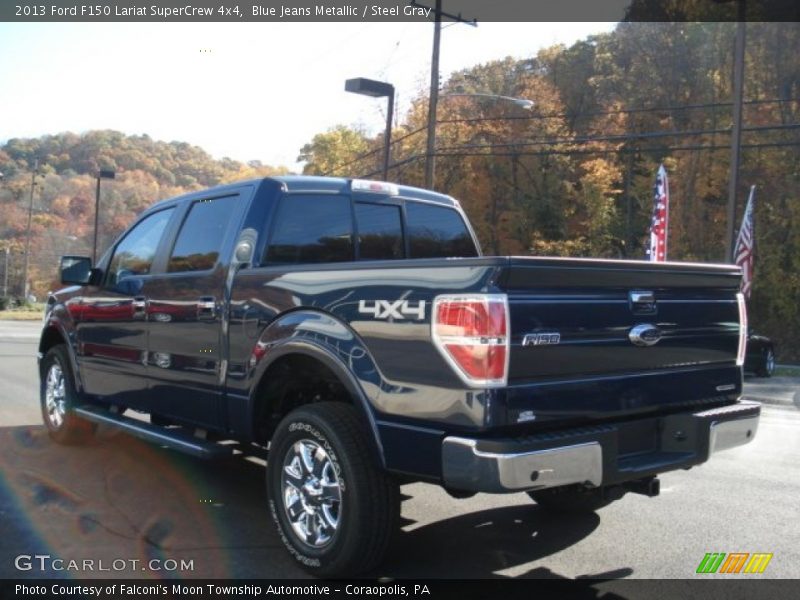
<point>58,399</point>
<point>335,509</point>
<point>571,500</point>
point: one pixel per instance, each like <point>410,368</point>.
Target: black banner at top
<point>396,10</point>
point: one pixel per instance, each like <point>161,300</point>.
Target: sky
<point>248,91</point>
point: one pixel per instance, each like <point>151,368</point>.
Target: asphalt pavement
<point>132,509</point>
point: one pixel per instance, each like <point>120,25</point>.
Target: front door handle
<point>206,308</point>
<point>139,305</point>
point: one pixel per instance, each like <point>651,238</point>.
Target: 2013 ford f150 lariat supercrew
<point>352,331</point>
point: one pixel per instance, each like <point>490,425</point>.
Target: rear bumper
<point>596,456</point>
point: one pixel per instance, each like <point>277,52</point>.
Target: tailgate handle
<point>642,302</point>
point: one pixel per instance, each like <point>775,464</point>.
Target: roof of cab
<point>329,185</point>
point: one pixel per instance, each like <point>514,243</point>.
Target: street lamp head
<point>523,103</point>
<point>368,87</point>
<point>106,174</point>
<point>377,89</point>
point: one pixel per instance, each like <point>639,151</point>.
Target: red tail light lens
<point>472,333</point>
<point>740,355</point>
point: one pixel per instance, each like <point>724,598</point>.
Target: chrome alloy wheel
<point>312,497</point>
<point>55,396</point>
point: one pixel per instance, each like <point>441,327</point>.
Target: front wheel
<point>335,509</point>
<point>58,398</point>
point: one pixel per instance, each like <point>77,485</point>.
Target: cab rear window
<point>437,232</point>
<point>312,228</point>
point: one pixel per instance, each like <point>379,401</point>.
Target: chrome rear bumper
<point>591,456</point>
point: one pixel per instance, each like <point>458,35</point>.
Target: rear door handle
<point>206,308</point>
<point>139,305</point>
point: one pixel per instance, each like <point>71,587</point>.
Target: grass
<point>29,312</point>
<point>787,371</point>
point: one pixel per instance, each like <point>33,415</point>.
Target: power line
<point>598,113</point>
<point>371,152</point>
<point>628,150</point>
<point>624,151</point>
<point>530,117</point>
<point>623,137</point>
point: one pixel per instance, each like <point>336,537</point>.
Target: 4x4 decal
<point>393,309</point>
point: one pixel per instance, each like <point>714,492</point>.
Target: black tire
<point>360,526</point>
<point>571,500</point>
<point>58,397</point>
<point>767,366</point>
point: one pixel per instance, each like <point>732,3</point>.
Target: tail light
<point>742,330</point>
<point>472,333</point>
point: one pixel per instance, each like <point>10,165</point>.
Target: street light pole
<point>5,269</point>
<point>28,232</point>
<point>5,275</point>
<point>377,89</point>
<point>100,175</point>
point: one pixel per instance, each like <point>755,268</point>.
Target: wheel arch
<point>292,343</point>
<point>53,334</point>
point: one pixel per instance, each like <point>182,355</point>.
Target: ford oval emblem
<point>644,335</point>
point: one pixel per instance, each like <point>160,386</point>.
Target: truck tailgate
<point>617,336</point>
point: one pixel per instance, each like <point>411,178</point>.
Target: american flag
<point>744,255</point>
<point>659,225</point>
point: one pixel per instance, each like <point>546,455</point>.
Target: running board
<point>175,438</point>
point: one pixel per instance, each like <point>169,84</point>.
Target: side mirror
<point>76,269</point>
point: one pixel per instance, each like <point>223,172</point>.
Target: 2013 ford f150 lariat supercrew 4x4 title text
<point>353,332</point>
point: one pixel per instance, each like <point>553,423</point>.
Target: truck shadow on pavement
<point>119,499</point>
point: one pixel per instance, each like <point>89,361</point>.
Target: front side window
<point>380,234</point>
<point>202,234</point>
<point>437,232</point>
<point>311,229</point>
<point>135,253</point>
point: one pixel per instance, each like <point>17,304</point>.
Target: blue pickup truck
<point>353,333</point>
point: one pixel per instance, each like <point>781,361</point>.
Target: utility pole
<point>430,147</point>
<point>430,150</point>
<point>28,234</point>
<point>736,134</point>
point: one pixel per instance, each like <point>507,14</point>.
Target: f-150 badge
<point>548,338</point>
<point>393,309</point>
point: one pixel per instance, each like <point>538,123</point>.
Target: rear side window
<point>437,232</point>
<point>202,233</point>
<point>380,233</point>
<point>311,229</point>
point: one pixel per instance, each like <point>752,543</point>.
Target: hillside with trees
<point>146,170</point>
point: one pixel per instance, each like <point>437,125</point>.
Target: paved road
<point>120,499</point>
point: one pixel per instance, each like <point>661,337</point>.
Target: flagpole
<point>744,249</point>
